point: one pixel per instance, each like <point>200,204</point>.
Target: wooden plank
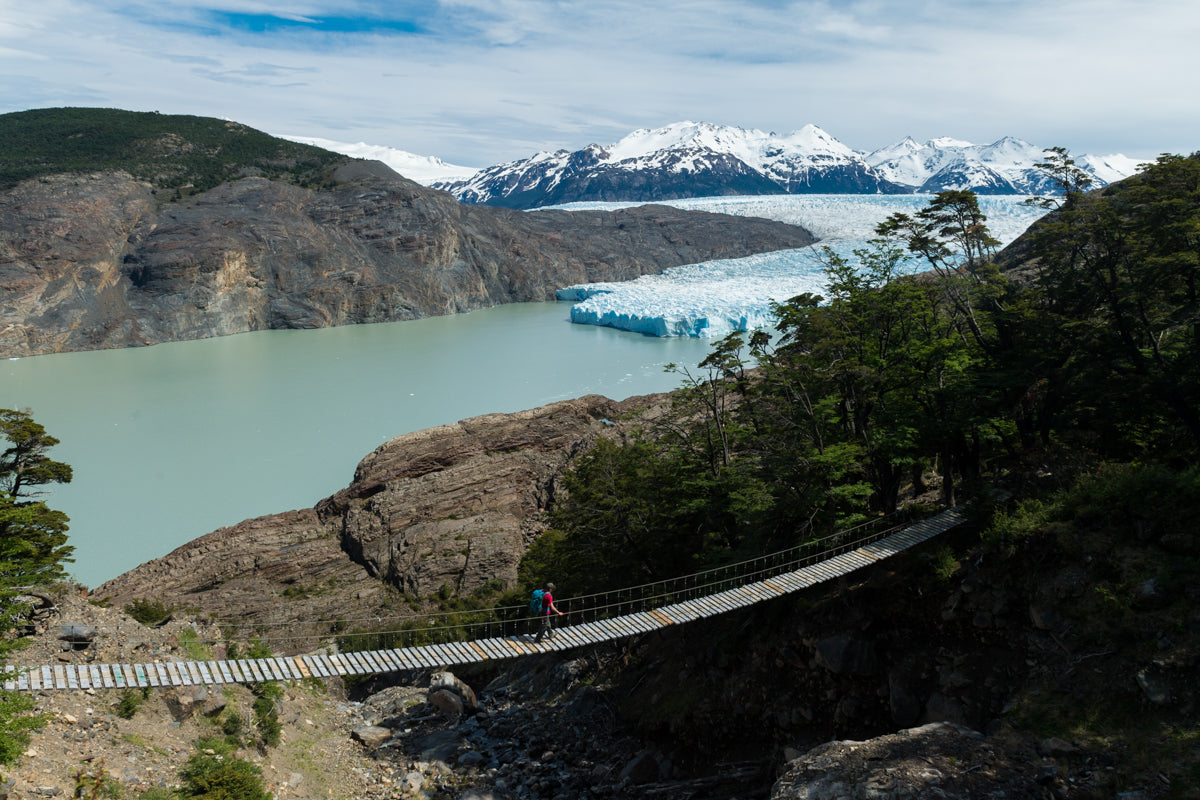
<point>246,667</point>
<point>375,662</point>
<point>105,677</point>
<point>389,660</point>
<point>774,586</point>
<point>47,678</point>
<point>205,676</point>
<point>97,679</point>
<point>236,672</point>
<point>615,628</point>
<point>469,653</point>
<point>314,667</point>
<point>342,664</point>
<point>492,647</point>
<point>385,660</point>
<point>287,666</point>
<point>226,675</point>
<point>139,673</point>
<point>332,668</point>
<point>128,673</point>
<point>10,678</point>
<point>214,672</point>
<point>35,679</point>
<point>662,618</point>
<point>717,603</point>
<point>402,658</point>
<point>357,662</point>
<point>417,657</point>
<point>85,677</point>
<point>462,654</point>
<point>173,674</point>
<point>193,669</point>
<point>72,681</point>
<point>515,647</point>
<point>23,680</point>
<point>60,677</point>
<point>445,655</point>
<point>269,669</point>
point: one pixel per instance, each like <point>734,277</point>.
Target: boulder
<point>447,702</point>
<point>371,736</point>
<point>450,682</point>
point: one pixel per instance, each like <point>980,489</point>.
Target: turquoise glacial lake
<point>172,441</point>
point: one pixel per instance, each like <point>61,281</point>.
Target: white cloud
<point>481,81</point>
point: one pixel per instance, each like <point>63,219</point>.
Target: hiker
<point>547,597</point>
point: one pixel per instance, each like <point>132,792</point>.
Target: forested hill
<point>170,151</point>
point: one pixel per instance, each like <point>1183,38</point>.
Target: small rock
<point>1154,687</point>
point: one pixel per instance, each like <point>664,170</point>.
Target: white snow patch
<point>425,170</point>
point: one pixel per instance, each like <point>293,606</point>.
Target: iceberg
<point>714,298</point>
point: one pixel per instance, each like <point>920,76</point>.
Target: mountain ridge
<point>690,159</point>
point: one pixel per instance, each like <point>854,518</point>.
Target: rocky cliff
<point>453,506</point>
<point>101,261</point>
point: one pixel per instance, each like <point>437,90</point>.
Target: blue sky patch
<point>271,23</point>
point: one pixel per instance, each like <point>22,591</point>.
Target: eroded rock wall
<point>99,261</point>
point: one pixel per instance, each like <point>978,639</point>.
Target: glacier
<point>714,298</point>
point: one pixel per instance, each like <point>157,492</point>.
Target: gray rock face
<point>938,760</point>
<point>98,261</point>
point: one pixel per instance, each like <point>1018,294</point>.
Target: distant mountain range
<point>691,159</point>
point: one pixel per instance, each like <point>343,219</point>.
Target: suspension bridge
<point>588,620</point>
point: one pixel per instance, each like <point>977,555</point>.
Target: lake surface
<point>172,441</point>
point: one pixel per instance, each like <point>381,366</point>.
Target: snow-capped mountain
<point>425,170</point>
<point>1005,166</point>
<point>686,159</point>
<point>690,159</point>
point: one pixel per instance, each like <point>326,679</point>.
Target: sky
<point>483,82</point>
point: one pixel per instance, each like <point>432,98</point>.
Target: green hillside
<point>185,153</point>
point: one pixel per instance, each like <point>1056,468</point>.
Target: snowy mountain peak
<point>697,159</point>
<point>945,142</point>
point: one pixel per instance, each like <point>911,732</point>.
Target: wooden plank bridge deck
<point>258,670</point>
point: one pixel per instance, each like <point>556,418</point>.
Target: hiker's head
<point>549,587</point>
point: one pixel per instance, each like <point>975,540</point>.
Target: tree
<point>951,235</point>
<point>32,536</point>
<point>32,551</point>
<point>24,464</point>
<point>1119,284</point>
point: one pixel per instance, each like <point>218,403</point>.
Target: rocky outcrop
<point>453,506</point>
<point>936,760</point>
<point>99,261</point>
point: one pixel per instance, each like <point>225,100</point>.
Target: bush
<point>149,612</point>
<point>217,777</point>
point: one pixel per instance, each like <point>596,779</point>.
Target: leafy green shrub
<point>945,564</point>
<point>232,724</point>
<point>218,776</point>
<point>131,700</point>
<point>149,612</point>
